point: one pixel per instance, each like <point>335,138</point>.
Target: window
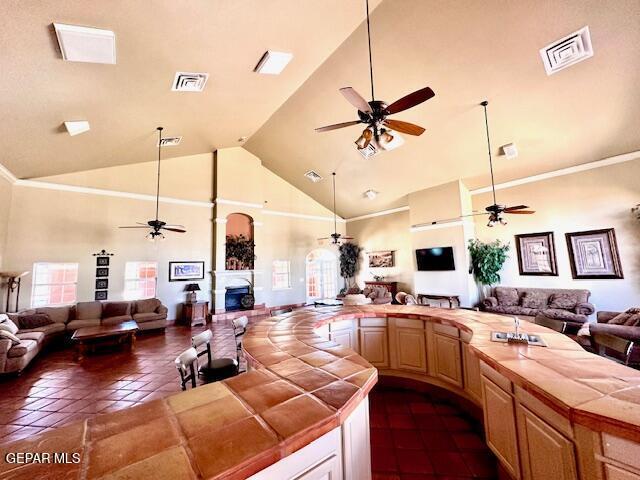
<point>281,274</point>
<point>54,284</point>
<point>321,275</point>
<point>140,280</point>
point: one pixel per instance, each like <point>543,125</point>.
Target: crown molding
<point>378,214</point>
<point>225,201</point>
<point>437,226</point>
<point>302,215</point>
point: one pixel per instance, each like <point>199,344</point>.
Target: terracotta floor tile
<point>381,437</point>
<point>407,439</point>
<point>449,463</point>
<point>469,441</point>
<point>384,460</point>
<point>414,461</point>
<point>480,464</point>
<point>401,421</point>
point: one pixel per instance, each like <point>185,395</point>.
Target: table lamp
<point>192,288</point>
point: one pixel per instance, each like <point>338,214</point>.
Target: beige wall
<point>388,232</point>
<point>594,199</point>
<point>5,205</point>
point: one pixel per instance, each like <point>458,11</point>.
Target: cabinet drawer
<point>446,330</point>
<point>373,322</point>
<point>615,473</point>
<point>409,323</point>
<point>621,450</point>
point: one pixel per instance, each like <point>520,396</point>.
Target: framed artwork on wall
<point>102,261</point>
<point>382,259</point>
<point>102,272</point>
<point>594,254</point>
<point>101,295</point>
<point>183,271</point>
<point>536,254</point>
<point>102,283</point>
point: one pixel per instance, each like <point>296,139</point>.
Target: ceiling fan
<point>495,211</point>
<point>157,226</point>
<point>336,238</point>
<point>374,113</point>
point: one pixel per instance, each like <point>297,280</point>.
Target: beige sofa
<point>567,305</point>
<point>149,314</point>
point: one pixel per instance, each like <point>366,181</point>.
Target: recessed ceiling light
<point>170,141</point>
<point>189,82</point>
<point>509,150</point>
<point>370,194</point>
<point>567,51</point>
<point>272,63</point>
<point>313,176</point>
<point>77,127</point>
<point>85,44</point>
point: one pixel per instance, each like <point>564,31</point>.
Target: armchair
<point>605,328</point>
<point>379,295</point>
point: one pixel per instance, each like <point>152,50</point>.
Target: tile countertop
<point>303,386</point>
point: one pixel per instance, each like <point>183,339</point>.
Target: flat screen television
<point>435,259</point>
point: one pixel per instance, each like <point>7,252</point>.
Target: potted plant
<point>349,256</point>
<point>487,260</point>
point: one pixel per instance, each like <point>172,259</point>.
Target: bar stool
<point>184,363</point>
<point>216,368</point>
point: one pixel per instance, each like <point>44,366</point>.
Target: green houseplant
<point>487,260</point>
<point>349,256</point>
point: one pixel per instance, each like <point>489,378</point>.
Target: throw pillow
<point>565,301</point>
<point>507,297</point>
<point>9,326</point>
<point>115,309</point>
<point>10,336</point>
<point>534,299</point>
<point>34,320</point>
<point>633,320</point>
<point>633,310</point>
<point>619,319</point>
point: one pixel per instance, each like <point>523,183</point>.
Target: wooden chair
<point>556,325</point>
<point>603,341</point>
<point>214,369</point>
<point>184,363</point>
<point>239,329</point>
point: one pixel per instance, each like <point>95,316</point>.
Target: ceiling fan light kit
<point>380,131</point>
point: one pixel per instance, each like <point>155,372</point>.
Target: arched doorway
<point>322,275</point>
<point>239,242</point>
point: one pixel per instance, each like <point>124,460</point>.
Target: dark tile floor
<point>418,436</point>
<point>55,389</point>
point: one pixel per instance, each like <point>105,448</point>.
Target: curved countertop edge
<point>303,386</point>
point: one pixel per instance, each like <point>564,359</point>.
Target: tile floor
<point>417,436</point>
<point>55,390</point>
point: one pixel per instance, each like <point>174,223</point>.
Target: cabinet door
<point>447,358</point>
<point>500,426</point>
<point>374,345</point>
<point>411,351</point>
<point>471,370</point>
<point>329,469</point>
<point>544,452</point>
<point>346,338</point>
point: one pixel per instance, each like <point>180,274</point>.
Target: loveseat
<point>566,305</point>
<point>623,325</point>
<point>49,324</point>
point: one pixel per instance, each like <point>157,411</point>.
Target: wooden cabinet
<point>448,365</point>
<point>345,333</point>
<point>544,452</point>
<point>471,371</point>
<point>328,469</point>
<point>410,350</point>
<point>195,313</point>
<point>500,426</point>
<point>374,345</point>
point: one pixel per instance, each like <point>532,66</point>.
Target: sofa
<point>624,325</point>
<point>565,305</point>
<point>58,322</point>
<point>378,294</point>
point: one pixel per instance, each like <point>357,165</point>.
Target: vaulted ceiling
<point>466,51</point>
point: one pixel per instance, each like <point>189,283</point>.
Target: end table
<point>195,313</point>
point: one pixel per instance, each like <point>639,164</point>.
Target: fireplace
<point>232,298</point>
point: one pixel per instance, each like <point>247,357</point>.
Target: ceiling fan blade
<point>404,127</point>
<point>519,212</point>
<point>410,100</point>
<point>173,229</point>
<point>337,125</point>
<point>173,225</point>
<point>135,226</point>
<point>517,207</point>
<point>355,99</point>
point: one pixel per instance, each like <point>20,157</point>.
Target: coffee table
<point>88,338</point>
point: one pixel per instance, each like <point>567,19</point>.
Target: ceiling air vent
<point>313,176</point>
<point>170,141</point>
<point>567,51</point>
<point>369,151</point>
<point>189,82</point>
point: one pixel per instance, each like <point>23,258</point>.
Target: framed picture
<point>102,272</point>
<point>381,259</point>
<point>102,283</point>
<point>594,254</point>
<point>182,271</point>
<point>101,295</point>
<point>536,254</point>
<point>102,261</point>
